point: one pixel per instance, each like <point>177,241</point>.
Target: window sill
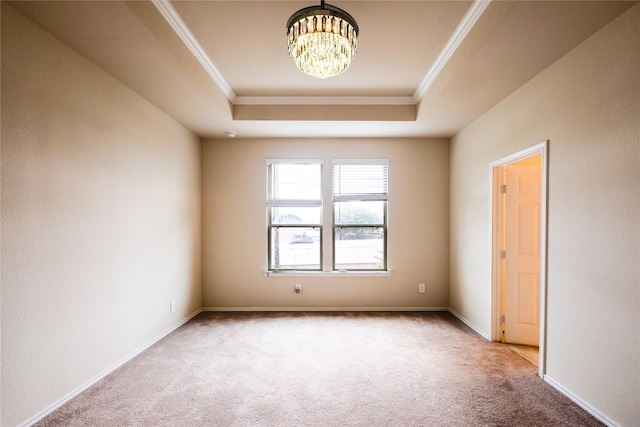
<point>327,273</point>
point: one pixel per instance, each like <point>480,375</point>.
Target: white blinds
<point>294,184</point>
<point>360,181</point>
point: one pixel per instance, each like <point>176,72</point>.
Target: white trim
<point>275,203</point>
<point>376,197</point>
<point>476,329</point>
<point>581,403</point>
<point>57,404</point>
<point>314,309</point>
<point>467,23</point>
<point>334,274</point>
<point>543,149</point>
<point>521,155</point>
<point>178,25</point>
<point>324,100</point>
<point>42,414</point>
<point>360,161</point>
<point>294,161</point>
<point>174,19</point>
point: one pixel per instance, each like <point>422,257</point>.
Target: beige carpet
<point>323,369</point>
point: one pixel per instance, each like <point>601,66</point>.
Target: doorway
<point>519,190</point>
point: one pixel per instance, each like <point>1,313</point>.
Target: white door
<point>522,257</point>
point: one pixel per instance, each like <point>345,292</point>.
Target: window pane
<point>297,215</point>
<point>351,213</point>
<point>295,182</point>
<point>295,248</point>
<point>359,248</point>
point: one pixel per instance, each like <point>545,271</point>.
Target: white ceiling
<point>423,68</point>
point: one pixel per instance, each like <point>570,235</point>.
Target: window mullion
<point>342,226</point>
<point>327,218</point>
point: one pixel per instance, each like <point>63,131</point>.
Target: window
<point>294,205</point>
<point>357,209</point>
<point>359,215</point>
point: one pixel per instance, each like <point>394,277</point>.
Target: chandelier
<point>322,40</point>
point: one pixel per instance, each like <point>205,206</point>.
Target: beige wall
<point>588,106</point>
<point>100,220</point>
<point>234,226</point>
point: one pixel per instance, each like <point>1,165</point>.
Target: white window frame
<point>327,248</point>
<point>275,203</point>
<point>364,197</point>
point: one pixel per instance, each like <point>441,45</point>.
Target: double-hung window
<point>294,205</point>
<point>359,191</point>
<point>356,204</point>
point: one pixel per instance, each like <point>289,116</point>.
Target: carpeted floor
<point>323,369</point>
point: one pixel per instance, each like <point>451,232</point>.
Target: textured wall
<point>588,105</point>
<point>100,220</point>
<point>234,226</point>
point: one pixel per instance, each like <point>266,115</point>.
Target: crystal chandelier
<point>322,40</point>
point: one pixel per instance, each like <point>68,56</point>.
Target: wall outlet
<point>298,288</point>
<point>421,288</point>
<point>172,306</point>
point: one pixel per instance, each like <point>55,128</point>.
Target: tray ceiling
<point>423,68</point>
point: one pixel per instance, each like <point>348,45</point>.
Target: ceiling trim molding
<point>324,100</point>
<point>466,24</point>
<point>174,19</point>
<point>176,22</point>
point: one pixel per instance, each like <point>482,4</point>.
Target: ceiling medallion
<point>322,40</point>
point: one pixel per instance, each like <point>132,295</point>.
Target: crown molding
<point>174,19</point>
<point>468,21</point>
<point>176,22</point>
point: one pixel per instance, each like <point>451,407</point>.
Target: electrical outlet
<point>421,288</point>
<point>172,306</point>
<point>298,288</point>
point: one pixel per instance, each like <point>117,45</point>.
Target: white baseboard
<point>42,414</point>
<point>39,416</point>
<point>578,401</point>
<point>476,329</point>
<point>581,403</point>
<point>302,309</point>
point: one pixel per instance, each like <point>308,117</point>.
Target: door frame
<point>496,269</point>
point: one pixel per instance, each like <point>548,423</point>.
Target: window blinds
<point>294,184</point>
<point>359,181</point>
